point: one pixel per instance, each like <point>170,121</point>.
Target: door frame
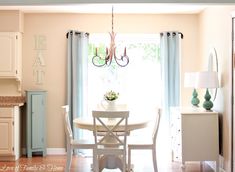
<point>232,98</point>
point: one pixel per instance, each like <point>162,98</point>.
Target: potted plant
<point>111,95</point>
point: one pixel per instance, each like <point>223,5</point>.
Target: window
<point>139,83</point>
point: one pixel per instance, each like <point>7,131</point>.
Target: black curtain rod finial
<point>182,36</point>
<point>75,32</point>
<point>174,33</point>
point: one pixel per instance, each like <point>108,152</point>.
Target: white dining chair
<point>75,144</point>
<point>110,131</point>
<point>145,143</point>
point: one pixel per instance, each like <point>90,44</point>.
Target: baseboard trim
<point>212,164</point>
<point>222,170</point>
<point>50,151</point>
<point>56,151</point>
<point>23,151</point>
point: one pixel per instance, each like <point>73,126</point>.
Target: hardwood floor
<point>141,159</point>
<point>142,162</point>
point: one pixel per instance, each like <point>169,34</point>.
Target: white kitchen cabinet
<point>6,135</point>
<point>9,133</point>
<point>11,55</point>
<point>194,135</point>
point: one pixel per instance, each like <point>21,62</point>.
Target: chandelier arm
<point>94,59</point>
<point>108,60</point>
<point>122,59</point>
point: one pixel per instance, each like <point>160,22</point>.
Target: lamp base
<point>207,103</point>
<point>195,101</point>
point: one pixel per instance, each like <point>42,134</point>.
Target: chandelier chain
<point>112,18</point>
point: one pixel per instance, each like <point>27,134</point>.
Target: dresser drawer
<point>6,112</point>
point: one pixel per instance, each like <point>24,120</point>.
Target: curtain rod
<point>168,33</point>
<point>76,33</point>
<point>174,33</point>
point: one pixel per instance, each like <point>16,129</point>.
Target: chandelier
<point>110,53</point>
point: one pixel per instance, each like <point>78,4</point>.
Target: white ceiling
<point>144,8</point>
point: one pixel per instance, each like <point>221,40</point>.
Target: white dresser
<point>194,135</point>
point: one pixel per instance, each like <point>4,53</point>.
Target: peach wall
<point>54,28</point>
<point>11,21</point>
<point>218,34</point>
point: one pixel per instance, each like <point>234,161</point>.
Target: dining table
<point>133,124</point>
<point>112,162</point>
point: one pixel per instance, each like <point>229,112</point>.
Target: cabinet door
<point>37,121</point>
<point>8,49</point>
<point>6,136</point>
<point>200,143</point>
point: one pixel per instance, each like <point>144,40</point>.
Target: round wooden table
<point>111,162</point>
<point>133,124</point>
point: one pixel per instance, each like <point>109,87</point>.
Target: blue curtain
<point>77,76</point>
<point>170,57</point>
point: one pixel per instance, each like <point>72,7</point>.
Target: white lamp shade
<point>207,79</point>
<point>190,79</point>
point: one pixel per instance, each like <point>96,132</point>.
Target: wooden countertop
<point>9,101</point>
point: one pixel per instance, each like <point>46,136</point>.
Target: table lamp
<point>190,82</point>
<point>207,79</point>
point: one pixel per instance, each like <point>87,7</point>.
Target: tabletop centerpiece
<point>110,97</point>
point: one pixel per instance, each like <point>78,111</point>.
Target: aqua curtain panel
<point>77,76</point>
<point>170,63</point>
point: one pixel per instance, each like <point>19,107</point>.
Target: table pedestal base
<point>110,162</point>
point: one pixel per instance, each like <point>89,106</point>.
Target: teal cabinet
<point>36,122</point>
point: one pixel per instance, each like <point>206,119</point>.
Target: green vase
<point>207,103</point>
<point>195,101</point>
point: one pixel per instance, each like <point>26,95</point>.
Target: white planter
<point>111,105</point>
